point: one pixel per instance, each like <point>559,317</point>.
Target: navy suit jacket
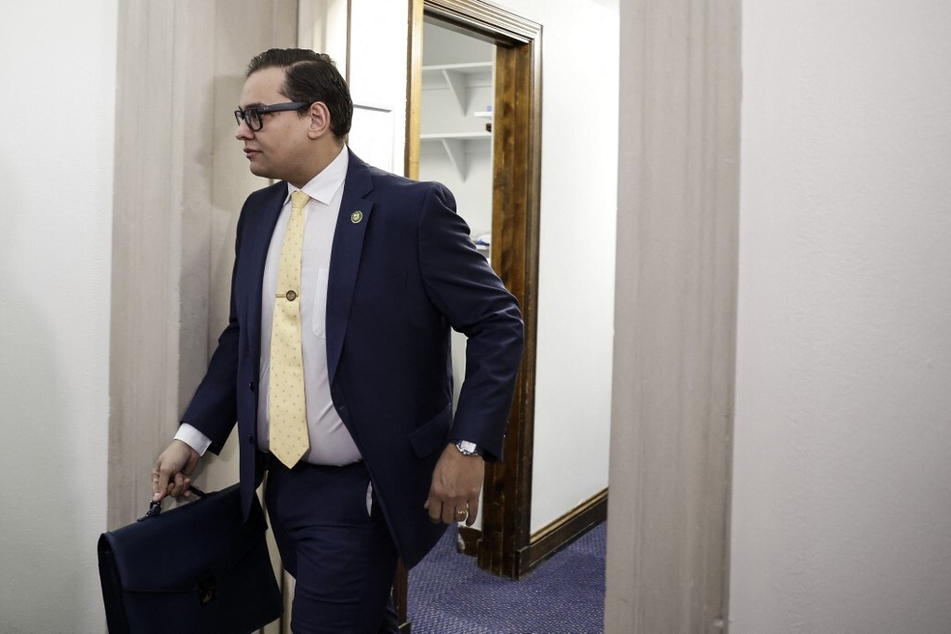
<point>403,270</point>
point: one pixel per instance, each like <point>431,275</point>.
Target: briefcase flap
<point>149,554</point>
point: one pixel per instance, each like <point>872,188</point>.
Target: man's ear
<point>319,120</point>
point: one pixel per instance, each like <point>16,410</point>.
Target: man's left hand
<point>454,493</point>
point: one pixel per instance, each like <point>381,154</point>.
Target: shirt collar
<point>323,186</point>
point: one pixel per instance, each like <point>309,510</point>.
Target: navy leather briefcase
<point>196,568</point>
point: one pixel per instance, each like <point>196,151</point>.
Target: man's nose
<point>243,131</point>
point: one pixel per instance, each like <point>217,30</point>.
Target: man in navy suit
<point>387,269</point>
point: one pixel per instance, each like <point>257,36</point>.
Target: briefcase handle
<point>155,508</point>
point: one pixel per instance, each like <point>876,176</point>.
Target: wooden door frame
<point>516,136</point>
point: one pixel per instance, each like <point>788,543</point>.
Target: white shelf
<point>465,136</point>
<point>459,78</point>
<point>456,144</point>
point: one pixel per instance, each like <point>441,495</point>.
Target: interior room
<point>727,224</point>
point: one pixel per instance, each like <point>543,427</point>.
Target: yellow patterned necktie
<point>287,412</point>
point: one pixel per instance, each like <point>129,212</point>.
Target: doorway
<point>513,135</point>
<point>489,142</point>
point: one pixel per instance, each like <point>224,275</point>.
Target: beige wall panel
<point>675,316</point>
<point>180,184</point>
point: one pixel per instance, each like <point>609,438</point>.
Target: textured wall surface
<point>56,176</point>
<point>842,480</point>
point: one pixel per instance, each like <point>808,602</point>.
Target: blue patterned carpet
<point>563,595</point>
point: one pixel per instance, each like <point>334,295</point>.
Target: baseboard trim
<point>550,539</point>
<point>563,531</point>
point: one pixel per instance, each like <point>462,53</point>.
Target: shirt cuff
<point>193,438</point>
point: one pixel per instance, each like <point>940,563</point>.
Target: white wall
<point>378,37</point>
<point>576,253</point>
<point>841,516</point>
<point>58,64</point>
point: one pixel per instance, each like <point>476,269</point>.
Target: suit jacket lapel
<point>352,222</point>
<point>255,250</point>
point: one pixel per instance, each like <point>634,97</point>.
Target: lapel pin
<point>356,217</point>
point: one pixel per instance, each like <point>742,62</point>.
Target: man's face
<point>278,149</point>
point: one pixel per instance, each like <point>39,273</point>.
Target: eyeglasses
<point>252,115</point>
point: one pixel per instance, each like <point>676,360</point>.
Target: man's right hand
<point>172,472</point>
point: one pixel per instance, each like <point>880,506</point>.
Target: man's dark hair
<point>310,77</point>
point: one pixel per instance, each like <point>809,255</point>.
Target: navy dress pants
<point>342,557</point>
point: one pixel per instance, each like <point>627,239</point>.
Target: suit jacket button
<point>251,439</point>
<point>251,386</point>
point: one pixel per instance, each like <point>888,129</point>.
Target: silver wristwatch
<point>467,448</point>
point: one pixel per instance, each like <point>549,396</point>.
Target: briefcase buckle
<point>206,591</point>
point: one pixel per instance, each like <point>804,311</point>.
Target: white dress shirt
<point>330,441</point>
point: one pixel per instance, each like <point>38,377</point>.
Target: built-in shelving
<point>459,78</point>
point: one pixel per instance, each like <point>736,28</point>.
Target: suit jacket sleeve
<point>462,285</point>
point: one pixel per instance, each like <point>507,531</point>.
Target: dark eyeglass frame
<point>253,113</point>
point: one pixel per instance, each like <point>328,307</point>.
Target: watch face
<point>467,448</point>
